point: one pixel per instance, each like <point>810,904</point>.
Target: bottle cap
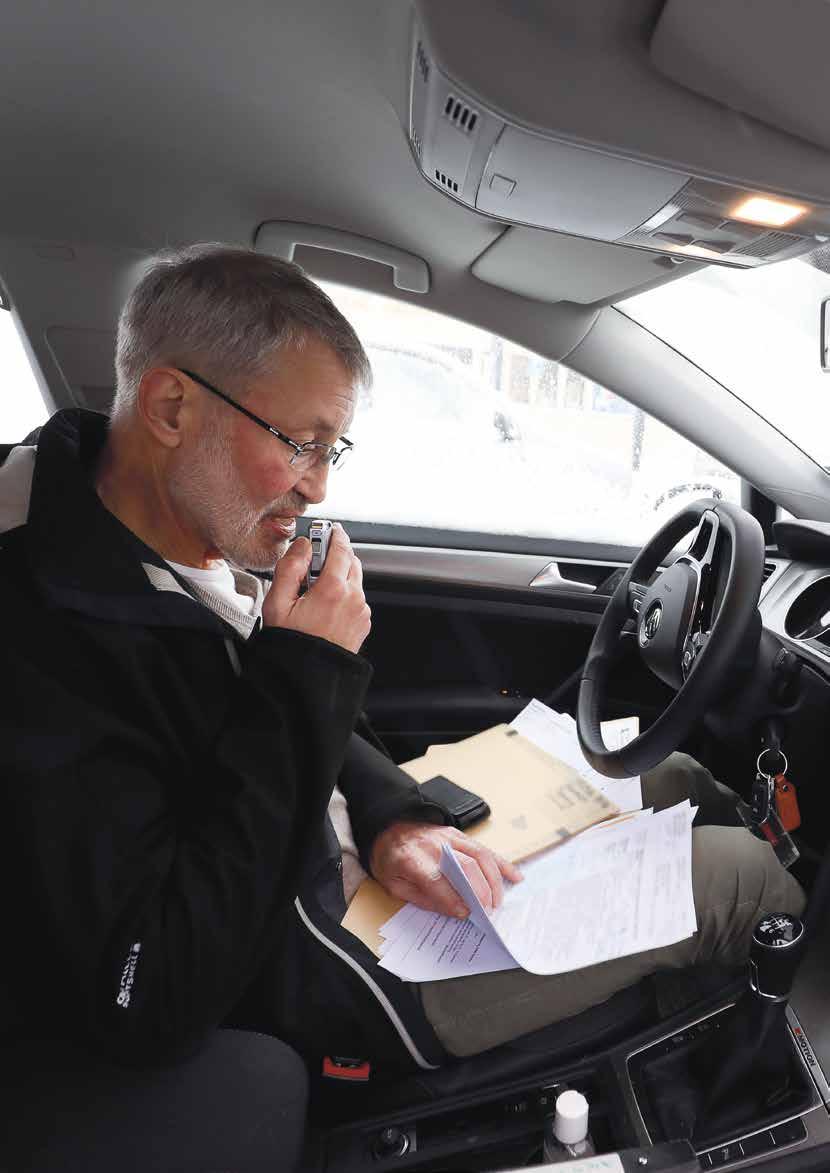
<point>570,1124</point>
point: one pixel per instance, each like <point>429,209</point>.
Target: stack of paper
<point>609,892</point>
<point>425,946</point>
<point>556,734</point>
<point>616,888</point>
<point>536,798</point>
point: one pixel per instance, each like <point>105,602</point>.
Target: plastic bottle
<point>566,1132</point>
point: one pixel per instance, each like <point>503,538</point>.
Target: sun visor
<point>548,266</point>
<point>765,58</point>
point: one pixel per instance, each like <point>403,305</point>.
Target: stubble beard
<point>207,490</point>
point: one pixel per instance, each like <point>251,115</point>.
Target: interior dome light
<point>762,210</point>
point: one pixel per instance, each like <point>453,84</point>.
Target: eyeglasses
<point>305,456</point>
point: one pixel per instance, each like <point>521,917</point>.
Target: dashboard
<point>795,597</point>
<point>795,613</point>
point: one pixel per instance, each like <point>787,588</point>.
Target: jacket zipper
<point>388,1008</point>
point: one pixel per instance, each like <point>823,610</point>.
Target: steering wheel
<point>692,622</point>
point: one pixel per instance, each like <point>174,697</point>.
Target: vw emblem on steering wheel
<point>651,622</point>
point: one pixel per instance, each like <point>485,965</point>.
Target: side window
<point>463,430</point>
<point>21,404</point>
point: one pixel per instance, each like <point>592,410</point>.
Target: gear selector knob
<point>778,943</point>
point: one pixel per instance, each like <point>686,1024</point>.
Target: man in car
<point>187,804</point>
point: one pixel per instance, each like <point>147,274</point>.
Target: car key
<point>762,817</point>
<point>763,795</point>
<point>786,803</point>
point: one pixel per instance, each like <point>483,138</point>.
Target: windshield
<point>757,332</point>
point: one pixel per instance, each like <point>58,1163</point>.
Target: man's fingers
<point>508,869</point>
<point>443,898</point>
<point>483,873</point>
<point>407,858</point>
<point>438,893</point>
<point>481,882</point>
<point>289,574</point>
<point>356,572</point>
<point>435,894</point>
<point>492,865</point>
<point>418,871</point>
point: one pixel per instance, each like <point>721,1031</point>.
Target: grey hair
<point>225,312</point>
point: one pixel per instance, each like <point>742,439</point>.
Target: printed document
<point>609,892</point>
<point>597,897</point>
<point>556,734</point>
<point>425,946</point>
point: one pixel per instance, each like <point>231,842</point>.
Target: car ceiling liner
<point>762,57</point>
<point>490,162</point>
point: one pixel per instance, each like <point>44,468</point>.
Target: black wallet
<point>465,807</point>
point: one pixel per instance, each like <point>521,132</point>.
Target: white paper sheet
<point>429,947</point>
<point>606,895</point>
<point>555,733</point>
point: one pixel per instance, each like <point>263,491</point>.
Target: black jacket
<point>168,861</point>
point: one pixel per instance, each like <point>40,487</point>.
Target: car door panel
<point>461,640</point>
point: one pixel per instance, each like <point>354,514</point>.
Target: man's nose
<point>312,484</point>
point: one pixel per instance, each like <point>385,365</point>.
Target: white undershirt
<point>218,580</point>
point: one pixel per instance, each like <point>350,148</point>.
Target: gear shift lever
<point>777,948</point>
<point>751,1068</point>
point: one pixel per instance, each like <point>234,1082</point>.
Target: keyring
<point>768,749</point>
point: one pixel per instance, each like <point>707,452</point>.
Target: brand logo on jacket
<point>128,975</point>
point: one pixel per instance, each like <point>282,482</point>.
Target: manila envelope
<point>535,800</point>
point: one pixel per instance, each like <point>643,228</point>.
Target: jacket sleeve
<point>141,917</point>
<point>379,793</point>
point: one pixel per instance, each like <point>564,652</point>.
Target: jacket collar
<point>81,555</point>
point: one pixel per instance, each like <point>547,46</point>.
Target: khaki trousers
<point>736,880</point>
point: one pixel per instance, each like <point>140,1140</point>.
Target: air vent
<point>769,569</point>
<point>417,146</point>
<point>446,181</point>
<point>462,116</point>
<point>769,244</point>
<point>423,62</point>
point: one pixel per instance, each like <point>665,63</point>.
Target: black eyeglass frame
<point>332,454</point>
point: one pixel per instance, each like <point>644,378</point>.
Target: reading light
<point>698,250</point>
<point>762,210</point>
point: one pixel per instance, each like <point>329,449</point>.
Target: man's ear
<point>162,404</point>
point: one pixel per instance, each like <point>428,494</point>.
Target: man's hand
<point>334,608</point>
<point>406,858</point>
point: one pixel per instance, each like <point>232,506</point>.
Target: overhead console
<point>491,162</point>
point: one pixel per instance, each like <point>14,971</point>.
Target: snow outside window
<point>464,430</point>
<point>21,404</point>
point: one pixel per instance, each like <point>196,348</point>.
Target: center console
<point>505,1128</point>
<point>737,1084</point>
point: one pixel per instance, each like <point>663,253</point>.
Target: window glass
<point>21,404</point>
<point>464,430</point>
<point>757,332</point>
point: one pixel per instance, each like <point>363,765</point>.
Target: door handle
<point>550,577</point>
